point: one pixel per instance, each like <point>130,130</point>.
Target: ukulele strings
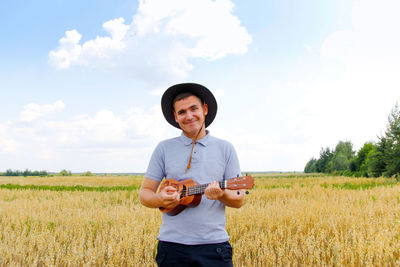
<point>197,189</point>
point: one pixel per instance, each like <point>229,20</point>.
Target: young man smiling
<point>190,114</point>
<point>196,236</point>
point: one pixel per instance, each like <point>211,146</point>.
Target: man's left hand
<point>213,191</point>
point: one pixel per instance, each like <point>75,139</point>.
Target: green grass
<point>362,186</point>
<point>68,188</point>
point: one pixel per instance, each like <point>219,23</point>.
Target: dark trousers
<point>173,254</point>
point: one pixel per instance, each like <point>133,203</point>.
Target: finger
<point>211,185</point>
<point>172,192</point>
<point>214,188</point>
<point>171,203</point>
<point>170,188</point>
<point>172,196</point>
<point>216,184</point>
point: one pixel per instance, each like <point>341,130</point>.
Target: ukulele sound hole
<point>183,192</point>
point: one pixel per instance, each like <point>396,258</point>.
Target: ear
<point>176,119</point>
<point>205,108</point>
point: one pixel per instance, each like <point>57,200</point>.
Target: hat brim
<point>198,90</point>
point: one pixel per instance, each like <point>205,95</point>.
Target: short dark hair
<point>185,95</point>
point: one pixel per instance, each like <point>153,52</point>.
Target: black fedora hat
<point>197,89</point>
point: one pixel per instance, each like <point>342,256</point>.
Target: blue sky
<point>81,81</point>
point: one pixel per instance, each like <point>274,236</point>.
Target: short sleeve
<point>156,168</point>
<point>232,168</point>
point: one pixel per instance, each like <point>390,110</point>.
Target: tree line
<point>27,172</point>
<point>374,159</point>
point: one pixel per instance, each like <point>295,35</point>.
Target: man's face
<point>189,115</point>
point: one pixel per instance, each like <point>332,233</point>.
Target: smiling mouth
<point>191,122</point>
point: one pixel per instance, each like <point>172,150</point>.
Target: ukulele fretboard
<point>199,189</point>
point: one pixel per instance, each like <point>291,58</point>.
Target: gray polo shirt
<point>213,159</point>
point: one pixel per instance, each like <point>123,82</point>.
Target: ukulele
<point>190,192</point>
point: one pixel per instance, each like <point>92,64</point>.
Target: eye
<point>181,112</point>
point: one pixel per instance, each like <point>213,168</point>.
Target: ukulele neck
<point>201,188</point>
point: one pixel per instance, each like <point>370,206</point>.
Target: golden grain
<point>285,222</point>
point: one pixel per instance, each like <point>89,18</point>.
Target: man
<point>196,236</point>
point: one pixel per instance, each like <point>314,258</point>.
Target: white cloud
<point>82,142</point>
<point>147,123</point>
<point>371,45</point>
<point>157,92</point>
<point>342,90</point>
<point>357,80</point>
<point>309,49</point>
<point>258,151</point>
<point>215,37</point>
<point>33,111</point>
<point>104,127</point>
<point>7,144</point>
<point>68,51</point>
<point>71,52</point>
<point>108,129</point>
<point>219,93</point>
<point>369,51</point>
<point>162,39</point>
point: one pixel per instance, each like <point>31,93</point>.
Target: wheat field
<point>286,221</point>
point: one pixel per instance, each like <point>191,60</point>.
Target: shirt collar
<point>188,141</point>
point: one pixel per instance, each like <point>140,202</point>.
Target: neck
<point>201,188</point>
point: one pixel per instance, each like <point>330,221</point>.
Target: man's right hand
<point>169,197</point>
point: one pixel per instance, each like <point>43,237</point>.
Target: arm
<point>231,198</point>
<point>167,198</point>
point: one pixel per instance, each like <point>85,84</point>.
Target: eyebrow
<point>192,106</point>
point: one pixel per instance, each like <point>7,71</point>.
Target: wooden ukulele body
<point>185,199</point>
<point>190,192</point>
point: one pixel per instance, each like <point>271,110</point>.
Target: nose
<point>189,115</point>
